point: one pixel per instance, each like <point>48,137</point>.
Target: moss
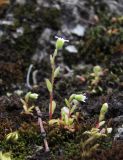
<point>100,41</point>
<point>25,145</point>
<point>102,45</point>
<point>115,152</point>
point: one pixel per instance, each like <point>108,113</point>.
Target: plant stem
<point>52,82</point>
<point>51,94</point>
<point>51,99</point>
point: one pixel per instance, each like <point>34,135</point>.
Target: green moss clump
<point>101,40</point>
<point>25,146</point>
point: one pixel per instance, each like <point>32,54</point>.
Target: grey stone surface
<point>21,2</point>
<point>71,49</point>
<point>79,30</point>
<point>119,134</point>
<point>74,18</point>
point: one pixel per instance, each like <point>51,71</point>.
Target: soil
<point>101,44</point>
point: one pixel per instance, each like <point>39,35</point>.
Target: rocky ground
<point>27,38</point>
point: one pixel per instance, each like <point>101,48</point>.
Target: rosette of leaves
<point>68,113</point>
<point>101,130</point>
<point>27,109</point>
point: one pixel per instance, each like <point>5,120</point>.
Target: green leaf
<point>72,97</point>
<point>12,136</point>
<point>51,60</point>
<point>30,109</point>
<point>53,106</point>
<point>49,85</point>
<point>27,97</point>
<point>66,119</point>
<point>101,117</point>
<point>56,72</point>
<point>73,109</point>
<point>71,121</point>
<point>54,121</point>
<point>101,123</point>
<point>67,103</point>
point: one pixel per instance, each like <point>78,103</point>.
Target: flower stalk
<point>52,83</point>
<point>55,71</point>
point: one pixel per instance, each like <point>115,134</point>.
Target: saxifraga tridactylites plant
<point>55,71</point>
<point>90,145</point>
<point>69,113</point>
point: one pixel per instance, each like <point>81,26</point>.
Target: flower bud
<point>104,108</point>
<point>80,97</point>
<point>103,111</point>
<point>33,96</point>
<point>97,70</point>
<point>65,110</point>
<point>56,73</point>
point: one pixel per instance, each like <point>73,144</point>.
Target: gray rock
<point>45,36</point>
<point>71,49</point>
<point>69,2</point>
<point>115,6</point>
<point>39,55</point>
<point>21,2</point>
<point>79,30</point>
<point>1,33</point>
<point>20,31</point>
<point>39,2</point>
<point>118,119</point>
<point>5,22</point>
<point>119,134</point>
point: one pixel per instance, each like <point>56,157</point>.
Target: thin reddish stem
<point>52,82</point>
<point>51,99</point>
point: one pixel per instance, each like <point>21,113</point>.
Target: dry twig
<point>43,133</point>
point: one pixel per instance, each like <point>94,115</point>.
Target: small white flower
<point>84,98</point>
<point>60,42</point>
<point>65,40</point>
<point>65,110</point>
